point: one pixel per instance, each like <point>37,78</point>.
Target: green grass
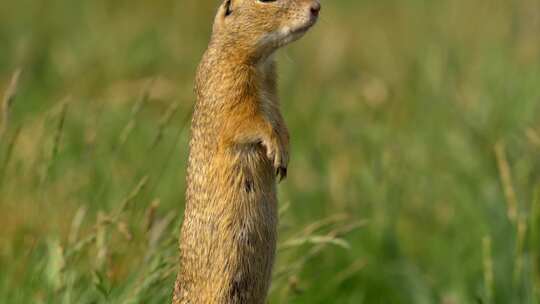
<point>415,134</point>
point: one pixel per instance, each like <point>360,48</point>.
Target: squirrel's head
<point>259,27</point>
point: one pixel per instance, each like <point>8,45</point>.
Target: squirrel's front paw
<point>277,152</point>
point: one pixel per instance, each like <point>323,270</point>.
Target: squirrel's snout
<point>315,8</point>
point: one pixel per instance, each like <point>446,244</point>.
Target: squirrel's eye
<point>265,1</point>
<point>228,8</point>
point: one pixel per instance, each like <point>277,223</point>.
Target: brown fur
<point>239,143</point>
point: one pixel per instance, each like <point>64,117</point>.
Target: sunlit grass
<point>415,169</point>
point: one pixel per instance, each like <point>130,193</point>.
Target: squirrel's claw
<point>281,173</point>
<point>280,163</point>
<point>279,158</point>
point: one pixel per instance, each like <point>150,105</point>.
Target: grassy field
<point>415,170</point>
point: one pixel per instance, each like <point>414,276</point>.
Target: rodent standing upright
<point>238,149</point>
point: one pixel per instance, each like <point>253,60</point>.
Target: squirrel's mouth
<point>302,29</point>
<point>289,34</point>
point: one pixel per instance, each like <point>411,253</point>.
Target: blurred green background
<point>415,171</point>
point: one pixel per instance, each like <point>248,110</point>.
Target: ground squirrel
<point>238,150</point>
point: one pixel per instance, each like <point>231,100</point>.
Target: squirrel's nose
<point>315,8</point>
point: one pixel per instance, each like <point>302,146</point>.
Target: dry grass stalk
<point>123,229</point>
<point>535,239</point>
<point>80,245</point>
<point>534,137</point>
<point>164,122</point>
<point>313,227</point>
<point>56,265</point>
<point>9,152</point>
<point>150,216</point>
<point>521,233</point>
<point>331,238</point>
<point>135,110</point>
<point>59,131</point>
<point>351,270</point>
<point>488,269</point>
<point>76,225</point>
<point>56,142</point>
<point>100,235</point>
<point>283,208</point>
<point>315,239</point>
<point>158,231</point>
<point>7,101</point>
<point>506,180</point>
<point>133,194</point>
<point>101,240</point>
<point>334,235</point>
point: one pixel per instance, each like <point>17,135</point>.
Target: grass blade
<point>7,101</point>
